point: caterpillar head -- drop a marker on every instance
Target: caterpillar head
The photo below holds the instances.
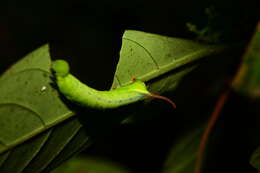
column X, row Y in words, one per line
column 60, row 67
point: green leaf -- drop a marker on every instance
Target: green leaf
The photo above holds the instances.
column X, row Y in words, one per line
column 255, row 159
column 247, row 83
column 90, row 165
column 181, row 158
column 247, row 80
column 147, row 56
column 160, row 61
column 32, row 118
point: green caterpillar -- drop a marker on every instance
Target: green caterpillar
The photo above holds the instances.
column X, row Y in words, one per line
column 83, row 95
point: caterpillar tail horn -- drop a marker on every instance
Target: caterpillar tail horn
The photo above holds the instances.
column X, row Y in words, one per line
column 163, row 98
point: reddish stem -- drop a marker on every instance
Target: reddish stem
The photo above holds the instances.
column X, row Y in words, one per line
column 163, row 98
column 211, row 122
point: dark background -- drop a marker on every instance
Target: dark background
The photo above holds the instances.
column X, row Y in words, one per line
column 88, row 35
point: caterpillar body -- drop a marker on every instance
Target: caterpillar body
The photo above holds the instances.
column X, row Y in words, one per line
column 84, row 95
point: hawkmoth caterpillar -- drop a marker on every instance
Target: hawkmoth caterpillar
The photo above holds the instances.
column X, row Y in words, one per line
column 77, row 92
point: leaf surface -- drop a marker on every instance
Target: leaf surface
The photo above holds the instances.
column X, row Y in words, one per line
column 32, row 117
column 90, row 165
column 247, row 83
column 181, row 158
column 147, row 56
column 247, row 80
column 160, row 61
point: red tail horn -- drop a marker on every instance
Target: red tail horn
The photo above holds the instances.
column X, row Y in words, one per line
column 163, row 98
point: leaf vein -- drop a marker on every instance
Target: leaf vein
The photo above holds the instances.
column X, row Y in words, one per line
column 154, row 61
column 27, row 108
